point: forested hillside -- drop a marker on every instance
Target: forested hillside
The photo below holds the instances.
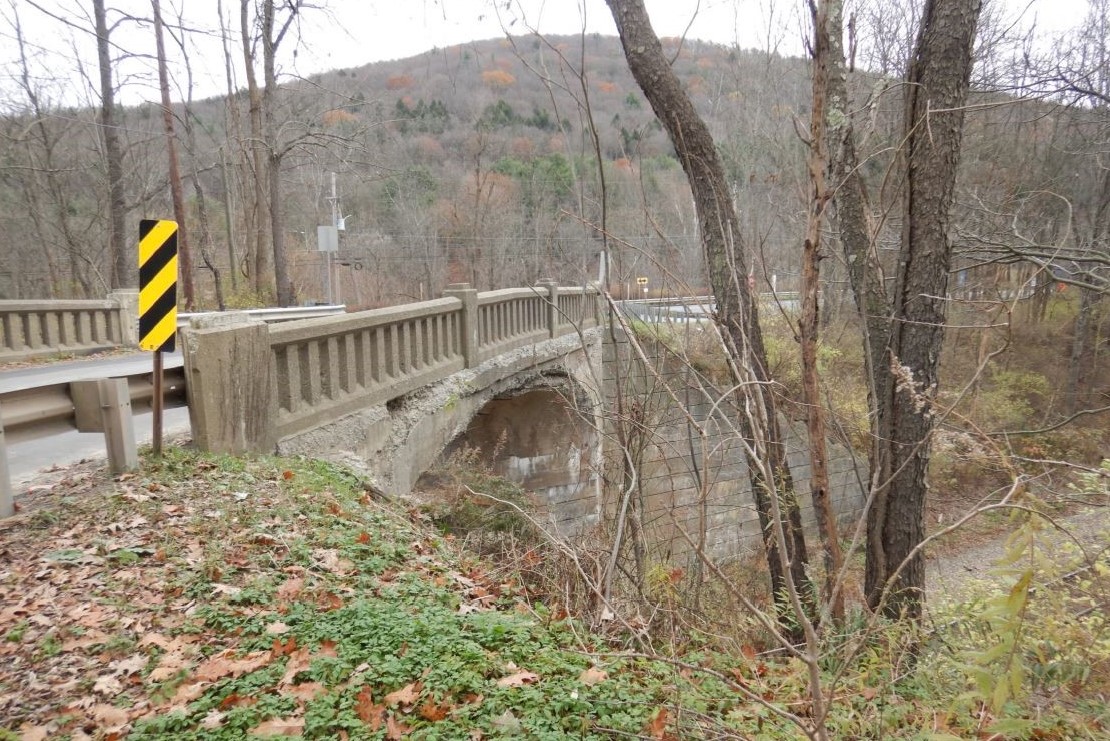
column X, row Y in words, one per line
column 477, row 162
column 480, row 162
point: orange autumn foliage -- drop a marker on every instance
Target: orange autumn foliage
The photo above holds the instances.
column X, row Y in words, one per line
column 498, row 79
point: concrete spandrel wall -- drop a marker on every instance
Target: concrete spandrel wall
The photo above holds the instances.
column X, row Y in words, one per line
column 537, row 441
column 687, row 477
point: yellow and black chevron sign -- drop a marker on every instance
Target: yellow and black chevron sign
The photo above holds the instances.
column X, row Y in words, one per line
column 157, row 285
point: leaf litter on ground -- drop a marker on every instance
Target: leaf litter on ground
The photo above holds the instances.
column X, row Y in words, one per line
column 160, row 604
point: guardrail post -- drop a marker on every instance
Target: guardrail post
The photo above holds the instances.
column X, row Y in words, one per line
column 7, row 506
column 119, row 428
column 552, row 289
column 86, row 405
column 229, row 381
column 469, row 328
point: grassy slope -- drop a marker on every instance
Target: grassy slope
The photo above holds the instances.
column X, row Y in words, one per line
column 215, row 598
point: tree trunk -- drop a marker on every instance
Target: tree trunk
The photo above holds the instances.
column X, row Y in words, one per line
column 865, row 274
column 936, row 92
column 232, row 121
column 277, row 235
column 198, row 190
column 809, row 324
column 1081, row 362
column 125, row 262
column 259, row 260
column 184, row 257
column 736, row 313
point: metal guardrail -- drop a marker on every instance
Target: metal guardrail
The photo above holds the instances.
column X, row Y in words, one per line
column 87, row 405
column 29, row 413
column 281, row 314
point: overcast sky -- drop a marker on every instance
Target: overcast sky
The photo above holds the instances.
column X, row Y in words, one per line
column 354, row 32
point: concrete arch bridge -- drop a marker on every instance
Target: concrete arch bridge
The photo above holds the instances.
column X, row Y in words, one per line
column 515, row 371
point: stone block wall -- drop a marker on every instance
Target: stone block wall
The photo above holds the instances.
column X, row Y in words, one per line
column 692, row 458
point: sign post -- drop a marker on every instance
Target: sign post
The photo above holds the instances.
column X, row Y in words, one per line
column 157, row 303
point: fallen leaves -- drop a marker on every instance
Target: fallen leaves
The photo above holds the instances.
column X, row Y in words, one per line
column 290, row 589
column 518, row 679
column 224, row 664
column 657, row 726
column 33, row 733
column 369, row 712
column 108, row 685
column 395, row 730
column 109, row 716
column 592, row 676
column 434, row 712
column 292, row 726
column 407, row 695
column 157, row 596
column 305, row 692
column 299, row 661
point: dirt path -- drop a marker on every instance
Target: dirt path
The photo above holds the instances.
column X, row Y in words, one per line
column 949, row 575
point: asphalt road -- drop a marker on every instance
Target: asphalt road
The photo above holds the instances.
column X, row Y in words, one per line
column 29, row 458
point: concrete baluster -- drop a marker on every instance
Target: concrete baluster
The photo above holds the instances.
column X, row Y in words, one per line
column 83, row 328
column 469, row 324
column 9, row 339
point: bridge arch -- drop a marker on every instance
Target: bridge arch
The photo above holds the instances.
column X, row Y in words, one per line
column 543, row 436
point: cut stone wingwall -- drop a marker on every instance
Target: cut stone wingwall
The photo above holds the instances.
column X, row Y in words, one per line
column 692, row 462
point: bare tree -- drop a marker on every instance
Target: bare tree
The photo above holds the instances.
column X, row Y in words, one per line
column 184, row 256
column 819, row 197
column 736, row 313
column 124, row 264
column 259, row 248
column 194, row 172
column 72, row 270
column 903, row 353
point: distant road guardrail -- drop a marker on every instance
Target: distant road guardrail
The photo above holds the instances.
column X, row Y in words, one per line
column 282, row 314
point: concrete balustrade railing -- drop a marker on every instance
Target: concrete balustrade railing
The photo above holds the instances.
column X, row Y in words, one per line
column 32, row 329
column 512, row 318
column 251, row 385
column 576, row 307
column 323, row 368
